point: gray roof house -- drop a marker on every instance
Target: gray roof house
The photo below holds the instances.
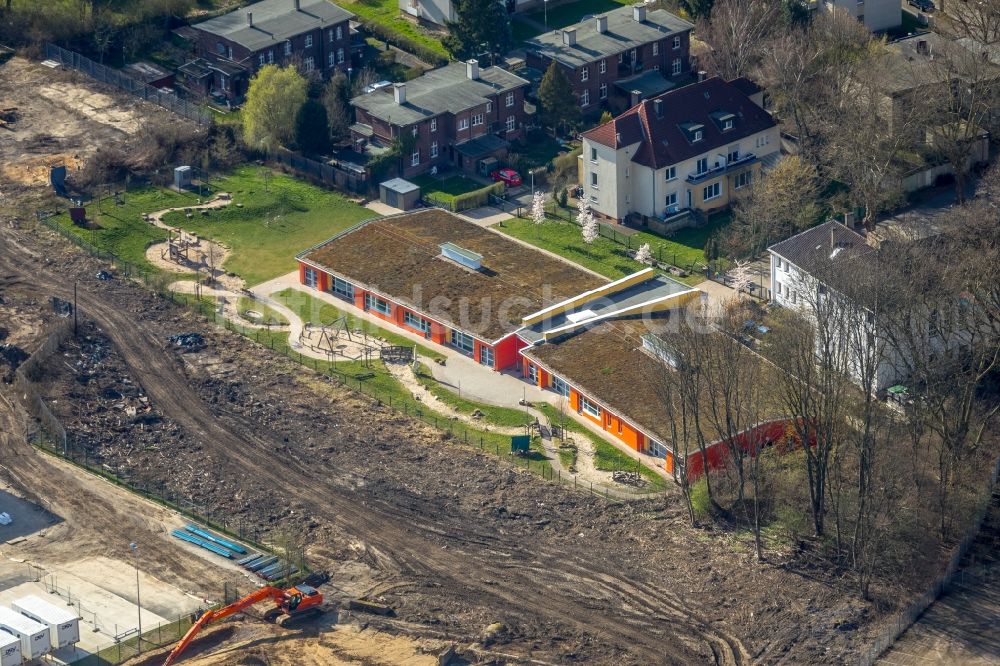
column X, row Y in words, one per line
column 272, row 22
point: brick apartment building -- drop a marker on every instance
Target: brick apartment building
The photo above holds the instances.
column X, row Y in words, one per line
column 312, row 34
column 458, row 115
column 626, row 54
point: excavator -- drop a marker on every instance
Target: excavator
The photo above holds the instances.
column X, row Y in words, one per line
column 291, row 605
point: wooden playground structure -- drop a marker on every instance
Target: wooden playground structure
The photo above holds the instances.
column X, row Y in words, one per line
column 342, row 343
column 178, row 246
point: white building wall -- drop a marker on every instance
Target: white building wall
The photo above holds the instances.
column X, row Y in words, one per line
column 878, row 14
column 613, row 189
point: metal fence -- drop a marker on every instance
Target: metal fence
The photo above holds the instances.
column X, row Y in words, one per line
column 458, row 431
column 122, row 81
column 950, row 578
column 22, row 381
column 326, row 174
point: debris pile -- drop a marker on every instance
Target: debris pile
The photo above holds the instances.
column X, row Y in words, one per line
column 187, row 341
column 12, row 356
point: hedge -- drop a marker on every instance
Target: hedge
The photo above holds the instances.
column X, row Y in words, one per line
column 476, row 198
column 403, row 42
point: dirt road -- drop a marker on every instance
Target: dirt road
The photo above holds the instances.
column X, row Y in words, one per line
column 459, row 539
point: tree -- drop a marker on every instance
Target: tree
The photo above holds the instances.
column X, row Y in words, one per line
column 735, row 33
column 312, row 131
column 644, row 255
column 559, row 105
column 696, row 9
column 336, row 100
column 479, row 25
column 588, row 224
column 538, row 208
column 273, row 100
column 606, row 117
column 779, row 204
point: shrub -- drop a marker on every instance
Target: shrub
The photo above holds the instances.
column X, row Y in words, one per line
column 402, row 41
column 699, row 498
column 563, row 197
column 476, row 198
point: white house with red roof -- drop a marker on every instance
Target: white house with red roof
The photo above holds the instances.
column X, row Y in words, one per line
column 690, row 148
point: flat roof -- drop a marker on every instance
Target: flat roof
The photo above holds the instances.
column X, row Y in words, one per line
column 655, row 289
column 45, row 610
column 399, row 185
column 17, row 622
column 400, row 257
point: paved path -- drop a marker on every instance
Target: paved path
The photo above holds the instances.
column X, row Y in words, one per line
column 963, row 626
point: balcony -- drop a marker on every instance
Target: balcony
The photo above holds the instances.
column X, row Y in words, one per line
column 719, row 169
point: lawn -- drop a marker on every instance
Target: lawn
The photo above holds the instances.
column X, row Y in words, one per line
column 537, row 149
column 276, row 218
column 386, row 13
column 503, row 417
column 320, row 313
column 607, row 457
column 446, row 189
column 270, row 316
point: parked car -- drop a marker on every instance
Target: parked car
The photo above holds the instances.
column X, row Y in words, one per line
column 378, row 85
column 508, row 177
column 922, row 5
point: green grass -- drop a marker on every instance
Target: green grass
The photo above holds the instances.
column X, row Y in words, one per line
column 121, row 228
column 446, row 189
column 321, row 313
column 271, row 226
column 567, row 456
column 535, row 150
column 270, row 315
column 607, row 457
column 386, row 13
column 503, row 417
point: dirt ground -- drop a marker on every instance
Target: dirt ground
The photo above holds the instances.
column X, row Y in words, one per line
column 454, row 540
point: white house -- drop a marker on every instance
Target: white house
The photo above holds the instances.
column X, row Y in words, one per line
column 876, row 15
column 693, row 147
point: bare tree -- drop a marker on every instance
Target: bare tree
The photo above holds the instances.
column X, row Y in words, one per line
column 735, row 32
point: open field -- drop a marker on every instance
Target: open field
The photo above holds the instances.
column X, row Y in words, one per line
column 386, row 13
column 362, row 480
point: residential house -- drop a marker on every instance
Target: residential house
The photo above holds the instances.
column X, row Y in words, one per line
column 313, row 34
column 690, row 148
column 458, row 115
column 876, row 15
column 629, row 53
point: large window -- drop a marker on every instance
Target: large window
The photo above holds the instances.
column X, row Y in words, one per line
column 309, row 276
column 710, row 192
column 343, row 288
column 702, row 165
column 477, row 120
column 419, row 323
column 511, row 123
column 604, row 91
column 584, row 74
column 533, row 373
column 585, row 98
column 510, row 99
column 656, row 449
column 676, row 67
column 377, row 304
column 743, row 179
column 310, row 64
column 671, row 173
column 463, row 342
column 463, row 124
column 486, row 356
column 560, row 386
column 672, row 201
column 587, row 407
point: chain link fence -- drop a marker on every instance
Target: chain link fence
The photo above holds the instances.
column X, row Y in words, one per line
column 122, row 81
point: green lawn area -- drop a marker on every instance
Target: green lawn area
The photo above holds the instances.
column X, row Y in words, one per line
column 607, row 457
column 387, row 14
column 447, row 188
column 503, row 417
column 320, row 313
column 271, row 226
column 270, row 316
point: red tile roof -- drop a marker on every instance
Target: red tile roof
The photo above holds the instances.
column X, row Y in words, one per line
column 661, row 139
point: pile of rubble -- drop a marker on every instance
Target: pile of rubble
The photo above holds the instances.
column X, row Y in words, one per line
column 187, row 341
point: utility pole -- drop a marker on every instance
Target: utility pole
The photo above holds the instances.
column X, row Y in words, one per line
column 135, row 550
column 74, row 309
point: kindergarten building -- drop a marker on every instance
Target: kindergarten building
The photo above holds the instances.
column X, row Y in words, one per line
column 513, row 308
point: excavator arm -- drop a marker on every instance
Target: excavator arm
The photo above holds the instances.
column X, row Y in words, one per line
column 208, row 617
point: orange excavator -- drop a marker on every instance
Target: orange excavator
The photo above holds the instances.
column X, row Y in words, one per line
column 292, row 605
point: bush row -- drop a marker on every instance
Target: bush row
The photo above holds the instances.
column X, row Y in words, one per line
column 403, row 42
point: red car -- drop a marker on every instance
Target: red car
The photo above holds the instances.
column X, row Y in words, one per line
column 509, row 177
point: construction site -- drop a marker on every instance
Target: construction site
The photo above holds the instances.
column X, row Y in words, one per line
column 394, row 542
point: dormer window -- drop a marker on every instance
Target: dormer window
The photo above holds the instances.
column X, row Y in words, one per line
column 727, row 125
column 724, row 120
column 694, row 132
column 697, row 136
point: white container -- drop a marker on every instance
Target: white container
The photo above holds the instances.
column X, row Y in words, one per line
column 64, row 626
column 10, row 649
column 34, row 635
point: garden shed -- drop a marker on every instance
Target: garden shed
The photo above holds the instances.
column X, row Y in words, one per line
column 399, row 193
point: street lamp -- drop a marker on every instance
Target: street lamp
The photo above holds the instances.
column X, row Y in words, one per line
column 532, row 173
column 134, row 547
column 545, row 3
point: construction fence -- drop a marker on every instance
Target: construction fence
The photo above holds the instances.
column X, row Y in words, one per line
column 950, row 578
column 486, row 442
column 122, row 81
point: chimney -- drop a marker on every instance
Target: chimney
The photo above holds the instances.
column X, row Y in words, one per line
column 472, row 69
column 250, row 19
column 399, row 92
column 569, row 37
column 602, row 24
column 702, row 75
column 658, row 107
column 833, row 237
column 639, row 13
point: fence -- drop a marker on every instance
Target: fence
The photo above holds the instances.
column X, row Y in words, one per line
column 124, row 82
column 949, row 578
column 327, row 174
column 23, row 382
column 662, row 254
